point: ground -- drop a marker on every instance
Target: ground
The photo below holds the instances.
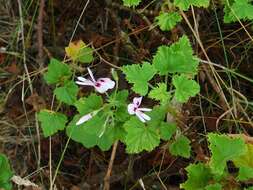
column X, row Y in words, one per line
column 120, row 36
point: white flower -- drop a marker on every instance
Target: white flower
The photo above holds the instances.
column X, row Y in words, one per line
column 84, row 118
column 101, row 85
column 134, row 109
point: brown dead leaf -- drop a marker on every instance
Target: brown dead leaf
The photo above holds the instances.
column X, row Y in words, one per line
column 13, row 68
column 75, row 188
column 98, row 40
column 36, row 101
column 2, row 58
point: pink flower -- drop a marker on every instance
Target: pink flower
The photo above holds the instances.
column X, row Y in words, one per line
column 134, row 109
column 101, row 85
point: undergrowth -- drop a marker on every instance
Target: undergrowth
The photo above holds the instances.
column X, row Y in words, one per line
column 141, row 105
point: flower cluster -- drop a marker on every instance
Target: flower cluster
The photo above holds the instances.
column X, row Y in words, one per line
column 102, row 85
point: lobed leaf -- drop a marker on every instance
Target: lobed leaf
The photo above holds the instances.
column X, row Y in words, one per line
column 245, row 173
column 57, row 72
column 168, row 21
column 89, row 133
column 139, row 76
column 89, row 104
column 131, row 3
column 167, row 130
column 67, row 93
column 238, row 9
column 51, row 122
column 185, row 88
column 160, row 93
column 177, row 58
column 220, row 146
column 78, row 51
column 140, row 137
column 198, row 177
column 185, row 4
column 181, row 147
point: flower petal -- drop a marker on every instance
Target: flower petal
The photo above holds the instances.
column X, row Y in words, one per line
column 84, row 119
column 104, row 84
column 85, row 83
column 143, row 115
column 91, row 75
column 137, row 101
column 107, row 81
column 139, row 115
column 131, row 109
column 144, row 109
column 81, row 79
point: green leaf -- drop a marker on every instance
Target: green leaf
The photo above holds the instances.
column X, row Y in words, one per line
column 160, row 93
column 185, row 88
column 220, row 146
column 177, row 58
column 139, row 76
column 242, row 9
column 51, row 122
column 120, row 102
column 198, row 177
column 67, row 93
column 78, row 51
column 130, row 3
column 88, row 133
column 181, row 147
column 167, row 130
column 245, row 164
column 140, row 137
column 168, row 21
column 57, row 72
column 245, row 159
column 89, row 104
column 245, row 173
column 215, row 186
column 5, row 173
column 185, row 4
column 157, row 115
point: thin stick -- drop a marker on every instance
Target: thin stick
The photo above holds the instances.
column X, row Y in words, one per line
column 23, row 44
column 40, row 32
column 109, row 170
column 79, row 19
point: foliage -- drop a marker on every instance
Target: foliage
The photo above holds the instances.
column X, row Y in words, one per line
column 220, row 146
column 168, row 75
column 139, row 75
column 177, row 58
column 198, row 177
column 181, row 147
column 140, row 137
column 185, row 88
column 51, row 122
column 167, row 130
column 160, row 93
column 237, row 9
column 185, row 4
column 5, row 173
column 130, row 3
column 67, row 93
column 168, row 21
column 79, row 52
column 57, row 72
